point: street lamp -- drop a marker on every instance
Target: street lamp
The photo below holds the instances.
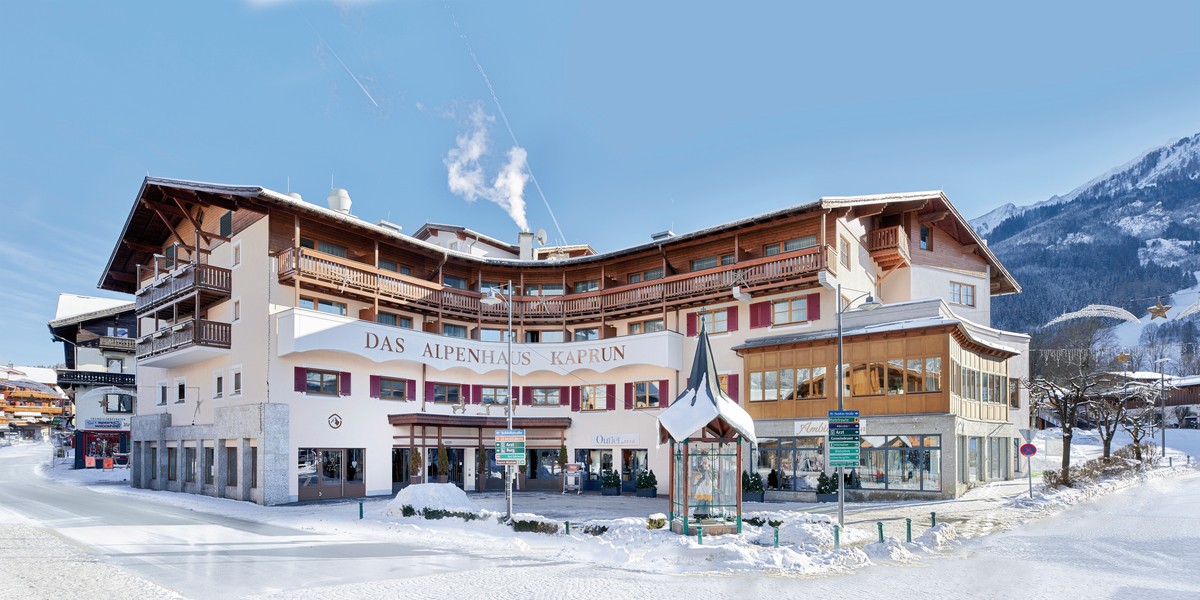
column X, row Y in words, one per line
column 1162, row 400
column 493, row 299
column 870, row 304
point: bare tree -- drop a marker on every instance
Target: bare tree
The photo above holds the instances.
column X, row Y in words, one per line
column 1064, row 400
column 1107, row 411
column 1140, row 418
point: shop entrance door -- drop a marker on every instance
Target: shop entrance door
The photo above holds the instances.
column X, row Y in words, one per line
column 325, row 473
column 455, row 473
column 633, row 462
column 400, row 468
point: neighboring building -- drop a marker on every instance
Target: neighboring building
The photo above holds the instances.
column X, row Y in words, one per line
column 100, row 372
column 31, row 403
column 296, row 351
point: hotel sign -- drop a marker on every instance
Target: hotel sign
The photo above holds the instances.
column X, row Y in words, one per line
column 304, row 331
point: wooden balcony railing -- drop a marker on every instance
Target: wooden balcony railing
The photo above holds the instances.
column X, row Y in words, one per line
column 205, row 333
column 183, row 281
column 345, row 274
column 117, row 343
column 72, row 377
column 889, row 246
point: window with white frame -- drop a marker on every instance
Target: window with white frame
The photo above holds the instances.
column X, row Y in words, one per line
column 593, row 397
column 218, row 384
column 180, row 389
column 962, row 293
column 235, row 376
column 236, row 254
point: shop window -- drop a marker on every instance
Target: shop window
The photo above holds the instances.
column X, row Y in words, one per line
column 253, row 466
column 172, row 464
column 209, row 467
column 231, row 465
column 153, row 464
column 189, row 465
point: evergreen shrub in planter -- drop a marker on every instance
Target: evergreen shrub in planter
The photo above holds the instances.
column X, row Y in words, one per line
column 752, row 487
column 443, row 465
column 647, row 485
column 827, row 488
column 610, row 483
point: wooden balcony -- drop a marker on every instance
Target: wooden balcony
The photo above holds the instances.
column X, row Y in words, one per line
column 341, row 276
column 13, row 409
column 67, row 377
column 889, row 247
column 213, row 284
column 184, row 343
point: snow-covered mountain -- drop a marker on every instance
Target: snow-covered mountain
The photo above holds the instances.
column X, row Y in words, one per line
column 1130, row 234
column 1179, row 159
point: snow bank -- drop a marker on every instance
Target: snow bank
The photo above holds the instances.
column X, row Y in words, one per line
column 938, row 538
column 892, row 549
column 438, row 496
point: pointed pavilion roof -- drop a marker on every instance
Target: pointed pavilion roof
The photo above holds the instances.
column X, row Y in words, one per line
column 703, row 407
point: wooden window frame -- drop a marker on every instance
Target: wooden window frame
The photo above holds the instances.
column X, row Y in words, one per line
column 316, row 305
column 708, row 262
column 792, row 310
column 642, row 396
column 393, row 388
column 545, row 396
column 595, row 334
column 492, row 392
column 596, row 395
column 465, row 330
column 446, row 389
column 321, row 384
column 715, row 316
column 583, row 287
column 446, row 282
column 640, row 327
column 844, row 251
column 925, row 238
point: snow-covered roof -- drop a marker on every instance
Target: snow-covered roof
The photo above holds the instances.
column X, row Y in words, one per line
column 703, row 405
column 73, row 308
column 42, row 376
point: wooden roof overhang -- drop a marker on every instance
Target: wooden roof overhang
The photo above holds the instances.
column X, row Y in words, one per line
column 479, row 421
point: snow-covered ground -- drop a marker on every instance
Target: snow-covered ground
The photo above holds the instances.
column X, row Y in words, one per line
column 805, row 538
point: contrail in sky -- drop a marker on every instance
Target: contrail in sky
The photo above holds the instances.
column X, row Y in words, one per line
column 343, row 63
column 503, row 117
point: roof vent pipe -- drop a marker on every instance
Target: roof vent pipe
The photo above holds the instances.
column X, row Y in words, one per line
column 339, row 200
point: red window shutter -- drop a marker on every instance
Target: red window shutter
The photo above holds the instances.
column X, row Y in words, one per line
column 564, row 395
column 375, row 386
column 760, row 315
column 514, row 395
column 610, row 393
column 576, row 394
column 527, row 396
column 410, row 390
column 629, row 396
column 344, row 386
column 429, row 391
column 476, row 394
column 301, row 379
column 691, row 324
column 664, row 392
column 731, row 318
column 814, row 307
column 734, row 389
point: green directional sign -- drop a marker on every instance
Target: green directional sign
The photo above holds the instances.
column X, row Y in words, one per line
column 844, row 438
column 510, row 446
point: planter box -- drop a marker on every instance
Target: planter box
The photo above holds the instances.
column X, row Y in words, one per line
column 754, row 496
column 827, row 497
column 414, row 480
column 647, row 493
column 610, row 491
column 443, row 478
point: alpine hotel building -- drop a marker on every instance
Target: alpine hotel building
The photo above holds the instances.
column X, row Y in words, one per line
column 289, row 351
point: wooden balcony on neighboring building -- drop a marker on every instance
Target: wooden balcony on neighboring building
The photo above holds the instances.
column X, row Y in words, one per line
column 889, row 247
column 343, row 276
column 184, row 343
column 68, row 377
column 211, row 284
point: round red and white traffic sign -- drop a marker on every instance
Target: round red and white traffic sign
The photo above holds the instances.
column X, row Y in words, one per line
column 1028, row 450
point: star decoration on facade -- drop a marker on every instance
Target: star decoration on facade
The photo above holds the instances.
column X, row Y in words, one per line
column 1159, row 310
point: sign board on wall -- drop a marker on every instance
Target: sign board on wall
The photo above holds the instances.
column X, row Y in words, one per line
column 303, row 330
column 106, row 423
column 618, row 439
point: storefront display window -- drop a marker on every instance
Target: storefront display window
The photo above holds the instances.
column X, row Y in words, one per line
column 899, row 462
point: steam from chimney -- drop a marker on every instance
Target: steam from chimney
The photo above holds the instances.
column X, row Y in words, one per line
column 466, row 178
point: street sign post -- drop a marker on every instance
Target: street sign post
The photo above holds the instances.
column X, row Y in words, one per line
column 1028, row 450
column 844, row 439
column 510, row 446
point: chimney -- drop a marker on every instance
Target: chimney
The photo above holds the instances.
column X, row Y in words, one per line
column 662, row 235
column 525, row 243
column 339, row 200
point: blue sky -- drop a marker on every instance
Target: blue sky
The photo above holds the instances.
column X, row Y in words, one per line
column 634, row 116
